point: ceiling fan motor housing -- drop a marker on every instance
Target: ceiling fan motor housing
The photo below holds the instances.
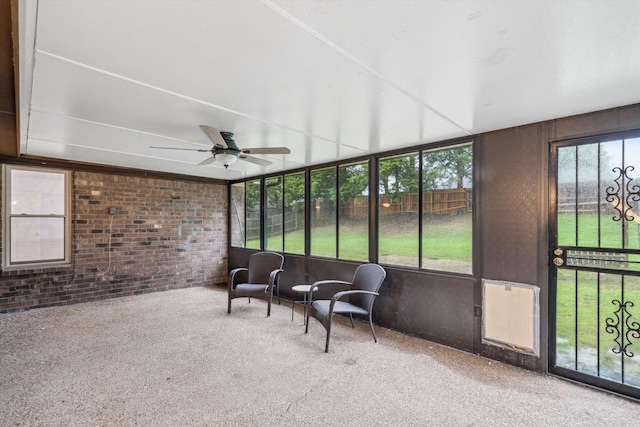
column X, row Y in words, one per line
column 223, row 154
column 228, row 138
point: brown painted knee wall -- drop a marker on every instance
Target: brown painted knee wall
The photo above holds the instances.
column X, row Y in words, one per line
column 167, row 234
column 511, row 241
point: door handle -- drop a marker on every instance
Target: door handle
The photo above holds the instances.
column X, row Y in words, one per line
column 558, row 260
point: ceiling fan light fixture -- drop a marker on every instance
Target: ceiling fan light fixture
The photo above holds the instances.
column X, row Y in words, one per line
column 226, row 159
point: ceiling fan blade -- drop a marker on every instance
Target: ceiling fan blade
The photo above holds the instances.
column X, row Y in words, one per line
column 255, row 160
column 267, row 150
column 207, row 161
column 214, row 135
column 184, row 149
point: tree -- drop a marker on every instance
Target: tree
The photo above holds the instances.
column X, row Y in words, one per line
column 294, row 189
column 273, row 187
column 252, row 190
column 323, row 191
column 586, row 158
column 449, row 168
column 353, row 181
column 399, row 175
column 323, row 184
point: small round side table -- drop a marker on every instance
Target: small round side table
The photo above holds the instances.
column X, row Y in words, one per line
column 307, row 299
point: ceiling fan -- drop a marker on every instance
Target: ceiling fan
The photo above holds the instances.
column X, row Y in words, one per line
column 226, row 151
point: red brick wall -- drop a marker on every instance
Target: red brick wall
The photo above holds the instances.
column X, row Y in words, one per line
column 167, row 234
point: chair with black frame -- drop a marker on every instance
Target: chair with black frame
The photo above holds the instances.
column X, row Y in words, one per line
column 257, row 280
column 362, row 292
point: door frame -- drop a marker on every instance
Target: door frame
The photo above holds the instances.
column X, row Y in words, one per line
column 589, row 380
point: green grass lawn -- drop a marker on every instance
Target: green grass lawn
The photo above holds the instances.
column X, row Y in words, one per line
column 582, row 311
column 611, row 232
column 450, row 238
column 447, row 238
column 353, row 245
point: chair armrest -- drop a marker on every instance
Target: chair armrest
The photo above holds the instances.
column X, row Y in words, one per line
column 274, row 276
column 339, row 295
column 232, row 276
column 315, row 285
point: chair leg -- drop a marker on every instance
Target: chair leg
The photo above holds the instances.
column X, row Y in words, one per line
column 229, row 305
column 326, row 347
column 269, row 307
column 306, row 328
column 352, row 324
column 372, row 331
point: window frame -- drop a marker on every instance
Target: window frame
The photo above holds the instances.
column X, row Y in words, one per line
column 340, row 247
column 243, row 223
column 7, row 265
column 304, row 212
column 424, row 237
column 373, row 161
column 417, row 156
column 317, row 207
column 277, row 186
column 257, row 182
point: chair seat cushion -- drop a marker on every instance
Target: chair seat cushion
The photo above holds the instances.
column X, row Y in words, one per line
column 250, row 288
column 322, row 307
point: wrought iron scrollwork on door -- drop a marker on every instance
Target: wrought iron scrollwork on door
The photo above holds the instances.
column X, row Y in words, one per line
column 616, row 194
column 624, row 328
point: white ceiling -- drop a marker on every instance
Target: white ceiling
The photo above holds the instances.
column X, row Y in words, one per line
column 102, row 81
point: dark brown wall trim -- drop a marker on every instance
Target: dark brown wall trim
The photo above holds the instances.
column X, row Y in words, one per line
column 113, row 170
column 8, row 36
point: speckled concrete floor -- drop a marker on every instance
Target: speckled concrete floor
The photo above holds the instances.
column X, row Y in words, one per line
column 177, row 358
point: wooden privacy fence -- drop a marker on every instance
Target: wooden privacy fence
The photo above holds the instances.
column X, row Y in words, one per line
column 591, row 198
column 294, row 220
column 455, row 201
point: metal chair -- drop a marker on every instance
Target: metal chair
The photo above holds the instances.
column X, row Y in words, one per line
column 258, row 280
column 362, row 292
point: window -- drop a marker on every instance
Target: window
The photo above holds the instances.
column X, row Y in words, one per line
column 36, row 206
column 424, row 210
column 253, row 226
column 323, row 212
column 398, row 210
column 294, row 225
column 353, row 222
column 447, row 221
column 284, row 213
column 274, row 214
column 236, row 213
